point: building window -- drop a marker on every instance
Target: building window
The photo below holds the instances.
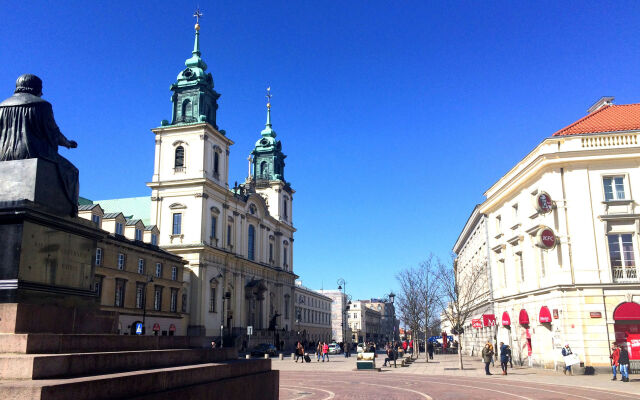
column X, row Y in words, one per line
column 212, row 299
column 514, row 212
column 159, row 270
column 498, row 224
column 621, row 254
column 213, row 226
column 543, row 267
column 613, row 188
column 154, row 239
column 286, row 306
column 184, row 301
column 179, row 159
column 229, row 235
column 96, row 220
column 157, row 298
column 174, row 273
column 98, row 256
column 138, row 234
column 98, row 286
column 141, row 266
column 216, row 164
column 174, row 300
column 520, row 265
column 177, row 224
column 121, row 261
column 119, row 298
column 285, row 209
column 284, row 259
column 139, row 295
column 119, row 228
column 252, row 245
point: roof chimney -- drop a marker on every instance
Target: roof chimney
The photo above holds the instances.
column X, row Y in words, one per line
column 604, row 101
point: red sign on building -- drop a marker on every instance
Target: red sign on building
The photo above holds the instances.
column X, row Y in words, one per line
column 156, row 327
column 546, row 238
column 476, row 323
column 544, row 204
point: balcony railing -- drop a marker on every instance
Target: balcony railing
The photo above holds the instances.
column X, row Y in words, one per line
column 625, row 274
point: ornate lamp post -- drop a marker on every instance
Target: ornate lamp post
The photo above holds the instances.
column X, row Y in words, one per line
column 392, row 297
column 144, row 304
column 342, row 285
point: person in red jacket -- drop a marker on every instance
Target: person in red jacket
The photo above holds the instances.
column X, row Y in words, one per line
column 325, row 351
column 615, row 357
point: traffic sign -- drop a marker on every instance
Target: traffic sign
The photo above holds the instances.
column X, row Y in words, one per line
column 138, row 328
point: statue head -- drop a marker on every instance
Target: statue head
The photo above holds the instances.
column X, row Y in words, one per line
column 29, row 83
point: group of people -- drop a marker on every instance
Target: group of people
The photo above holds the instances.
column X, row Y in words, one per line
column 322, row 350
column 620, row 360
column 488, row 353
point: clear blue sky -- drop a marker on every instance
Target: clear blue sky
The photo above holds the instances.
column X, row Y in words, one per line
column 395, row 119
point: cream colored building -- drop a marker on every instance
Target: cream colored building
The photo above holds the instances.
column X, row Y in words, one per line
column 135, row 278
column 340, row 329
column 313, row 315
column 563, row 228
column 238, row 241
column 364, row 322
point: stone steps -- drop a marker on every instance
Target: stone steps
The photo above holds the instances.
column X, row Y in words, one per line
column 67, row 343
column 229, row 378
column 50, row 366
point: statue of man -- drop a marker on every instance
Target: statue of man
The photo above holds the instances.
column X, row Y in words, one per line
column 28, row 130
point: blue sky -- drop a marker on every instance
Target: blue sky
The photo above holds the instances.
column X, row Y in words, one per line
column 395, row 116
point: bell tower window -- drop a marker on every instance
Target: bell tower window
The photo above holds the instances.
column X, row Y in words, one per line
column 216, row 164
column 187, row 110
column 179, row 158
column 264, row 169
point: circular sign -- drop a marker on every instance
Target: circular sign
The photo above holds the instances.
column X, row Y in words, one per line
column 543, row 203
column 172, row 328
column 156, row 327
column 546, row 238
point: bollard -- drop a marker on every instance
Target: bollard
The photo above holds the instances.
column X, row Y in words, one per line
column 281, row 356
column 266, row 356
column 247, row 356
column 293, row 356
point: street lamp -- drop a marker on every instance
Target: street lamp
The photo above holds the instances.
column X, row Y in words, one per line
column 342, row 285
column 225, row 296
column 144, row 304
column 392, row 297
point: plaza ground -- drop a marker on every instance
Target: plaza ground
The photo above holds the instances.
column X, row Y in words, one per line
column 441, row 379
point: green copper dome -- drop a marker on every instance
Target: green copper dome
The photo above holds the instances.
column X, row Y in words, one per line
column 194, row 100
column 268, row 159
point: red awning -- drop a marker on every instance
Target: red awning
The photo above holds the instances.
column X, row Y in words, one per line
column 628, row 311
column 506, row 319
column 545, row 315
column 524, row 317
column 172, row 328
column 489, row 320
column 156, row 327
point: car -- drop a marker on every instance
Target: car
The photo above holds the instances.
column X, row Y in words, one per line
column 334, row 348
column 360, row 348
column 264, row 348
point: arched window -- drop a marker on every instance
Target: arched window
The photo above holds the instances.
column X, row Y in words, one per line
column 252, row 240
column 216, row 163
column 187, row 109
column 179, row 159
column 264, row 169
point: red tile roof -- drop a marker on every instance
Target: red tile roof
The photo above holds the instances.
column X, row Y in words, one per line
column 610, row 118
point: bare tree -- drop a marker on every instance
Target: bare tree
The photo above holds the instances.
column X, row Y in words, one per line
column 461, row 292
column 417, row 300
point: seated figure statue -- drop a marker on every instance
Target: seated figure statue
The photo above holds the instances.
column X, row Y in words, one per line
column 28, row 130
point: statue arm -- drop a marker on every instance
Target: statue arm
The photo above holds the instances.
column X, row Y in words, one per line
column 62, row 139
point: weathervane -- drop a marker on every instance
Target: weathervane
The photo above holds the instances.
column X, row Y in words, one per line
column 268, row 96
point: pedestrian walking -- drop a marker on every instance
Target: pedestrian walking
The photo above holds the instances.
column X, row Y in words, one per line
column 565, row 352
column 487, row 356
column 505, row 356
column 319, row 352
column 623, row 360
column 299, row 352
column 615, row 358
column 430, row 350
column 492, row 351
column 347, row 350
column 325, row 351
column 510, row 357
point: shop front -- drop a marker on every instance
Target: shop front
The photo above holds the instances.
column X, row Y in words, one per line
column 626, row 318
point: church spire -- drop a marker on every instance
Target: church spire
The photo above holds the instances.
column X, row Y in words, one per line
column 194, row 99
column 268, row 159
column 268, row 130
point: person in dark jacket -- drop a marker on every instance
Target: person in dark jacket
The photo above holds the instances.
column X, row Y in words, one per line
column 624, row 363
column 566, row 350
column 430, row 350
column 487, row 356
column 505, row 355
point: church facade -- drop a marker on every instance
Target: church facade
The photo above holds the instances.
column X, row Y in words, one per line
column 237, row 241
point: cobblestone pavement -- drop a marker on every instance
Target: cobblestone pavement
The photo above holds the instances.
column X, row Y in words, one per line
column 441, row 380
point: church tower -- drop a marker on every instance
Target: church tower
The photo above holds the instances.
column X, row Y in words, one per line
column 268, row 171
column 194, row 99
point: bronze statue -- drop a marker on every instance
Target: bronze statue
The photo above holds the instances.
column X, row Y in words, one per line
column 28, row 130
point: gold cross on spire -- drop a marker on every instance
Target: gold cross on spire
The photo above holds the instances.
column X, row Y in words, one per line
column 268, row 96
column 197, row 15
